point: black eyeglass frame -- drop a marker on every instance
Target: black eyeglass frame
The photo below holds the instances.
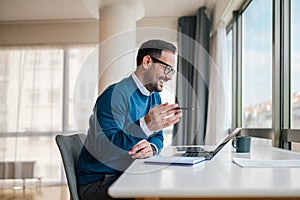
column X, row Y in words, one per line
column 168, row 68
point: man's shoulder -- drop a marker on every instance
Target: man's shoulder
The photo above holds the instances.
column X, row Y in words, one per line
column 124, row 87
column 119, row 89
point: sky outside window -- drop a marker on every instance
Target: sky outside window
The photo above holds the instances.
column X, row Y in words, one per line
column 295, row 64
column 257, row 65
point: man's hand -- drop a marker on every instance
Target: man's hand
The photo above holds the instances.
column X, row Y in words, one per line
column 141, row 150
column 162, row 116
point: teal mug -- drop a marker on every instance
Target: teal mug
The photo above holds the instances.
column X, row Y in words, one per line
column 242, row 144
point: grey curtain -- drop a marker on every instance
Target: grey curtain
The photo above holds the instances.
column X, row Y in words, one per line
column 192, row 78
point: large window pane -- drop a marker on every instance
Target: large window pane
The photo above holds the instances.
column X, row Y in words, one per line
column 229, row 50
column 257, row 65
column 77, row 61
column 31, row 89
column 168, row 95
column 295, row 64
column 32, row 106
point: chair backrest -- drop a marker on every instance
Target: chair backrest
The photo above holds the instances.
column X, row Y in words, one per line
column 70, row 147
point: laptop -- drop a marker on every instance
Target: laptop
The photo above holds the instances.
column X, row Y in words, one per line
column 193, row 155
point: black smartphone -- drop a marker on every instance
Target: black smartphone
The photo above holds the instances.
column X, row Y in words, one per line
column 190, row 149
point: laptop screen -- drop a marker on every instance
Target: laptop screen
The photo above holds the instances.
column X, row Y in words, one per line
column 226, row 140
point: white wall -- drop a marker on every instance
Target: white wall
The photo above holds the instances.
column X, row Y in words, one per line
column 157, row 28
column 70, row 32
column 48, row 32
column 86, row 31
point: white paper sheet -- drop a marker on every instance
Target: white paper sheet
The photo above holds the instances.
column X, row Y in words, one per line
column 248, row 162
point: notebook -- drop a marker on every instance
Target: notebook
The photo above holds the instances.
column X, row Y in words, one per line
column 174, row 160
column 197, row 157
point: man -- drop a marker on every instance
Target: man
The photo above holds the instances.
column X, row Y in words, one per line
column 127, row 121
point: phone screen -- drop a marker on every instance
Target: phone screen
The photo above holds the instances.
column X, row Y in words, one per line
column 190, row 149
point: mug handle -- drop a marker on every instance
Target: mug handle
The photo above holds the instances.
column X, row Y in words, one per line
column 233, row 143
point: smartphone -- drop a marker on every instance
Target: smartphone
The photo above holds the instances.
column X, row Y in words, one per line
column 190, row 149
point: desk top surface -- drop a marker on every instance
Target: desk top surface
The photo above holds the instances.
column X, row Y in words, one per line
column 219, row 177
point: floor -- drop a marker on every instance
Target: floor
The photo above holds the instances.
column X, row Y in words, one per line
column 35, row 193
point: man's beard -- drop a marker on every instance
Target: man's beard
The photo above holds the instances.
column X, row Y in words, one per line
column 153, row 87
column 151, row 83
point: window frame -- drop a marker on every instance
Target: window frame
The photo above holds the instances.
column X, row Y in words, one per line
column 64, row 130
column 288, row 134
column 65, row 98
column 281, row 133
column 237, row 111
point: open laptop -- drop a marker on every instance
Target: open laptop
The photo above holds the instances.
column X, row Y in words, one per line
column 208, row 155
column 192, row 155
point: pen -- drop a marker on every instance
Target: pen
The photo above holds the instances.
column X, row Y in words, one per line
column 184, row 108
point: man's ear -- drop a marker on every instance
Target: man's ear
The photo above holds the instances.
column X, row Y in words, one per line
column 146, row 63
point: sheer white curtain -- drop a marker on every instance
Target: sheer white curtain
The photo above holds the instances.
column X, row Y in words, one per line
column 219, row 89
column 32, row 112
column 32, row 89
column 31, row 103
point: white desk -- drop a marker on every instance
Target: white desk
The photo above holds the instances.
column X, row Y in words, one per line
column 218, row 178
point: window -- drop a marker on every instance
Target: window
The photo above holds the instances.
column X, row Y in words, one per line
column 229, row 50
column 168, row 95
column 295, row 65
column 33, row 81
column 29, row 89
column 268, row 86
column 257, row 65
column 295, row 72
column 88, row 89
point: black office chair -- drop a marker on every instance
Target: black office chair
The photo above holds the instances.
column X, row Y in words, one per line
column 70, row 147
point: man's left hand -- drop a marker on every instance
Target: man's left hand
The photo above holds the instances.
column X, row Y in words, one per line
column 141, row 150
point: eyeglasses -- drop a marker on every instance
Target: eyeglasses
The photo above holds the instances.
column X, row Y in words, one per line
column 168, row 68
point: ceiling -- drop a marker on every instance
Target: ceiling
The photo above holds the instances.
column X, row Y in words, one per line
column 19, row 10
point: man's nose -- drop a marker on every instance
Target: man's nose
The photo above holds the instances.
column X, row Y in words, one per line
column 169, row 76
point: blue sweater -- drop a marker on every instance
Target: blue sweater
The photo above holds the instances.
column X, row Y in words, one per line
column 114, row 129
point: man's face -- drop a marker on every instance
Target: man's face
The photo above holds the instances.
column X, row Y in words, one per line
column 155, row 77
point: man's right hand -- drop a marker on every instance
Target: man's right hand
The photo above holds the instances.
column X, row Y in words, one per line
column 162, row 116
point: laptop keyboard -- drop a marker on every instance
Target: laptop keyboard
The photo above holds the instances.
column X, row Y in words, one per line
column 190, row 154
column 195, row 150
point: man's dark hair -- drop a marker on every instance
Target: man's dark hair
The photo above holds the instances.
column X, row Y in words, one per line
column 153, row 48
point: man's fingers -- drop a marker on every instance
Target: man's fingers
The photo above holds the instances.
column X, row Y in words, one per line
column 171, row 123
column 156, row 118
column 170, row 107
column 146, row 152
column 141, row 142
column 172, row 111
column 172, row 120
column 161, row 106
column 165, row 107
column 143, row 153
column 139, row 146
